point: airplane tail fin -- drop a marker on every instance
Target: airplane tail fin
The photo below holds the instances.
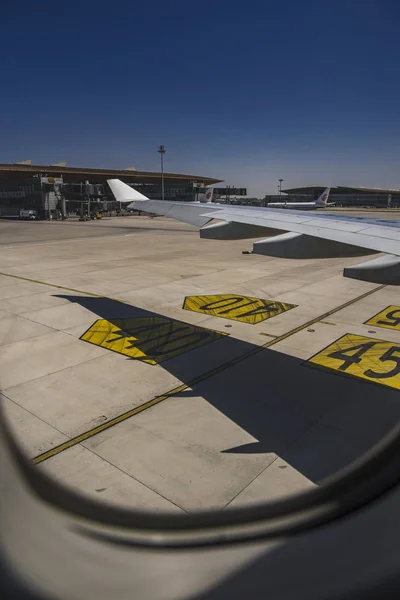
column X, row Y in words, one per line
column 323, row 199
column 208, row 196
column 123, row 192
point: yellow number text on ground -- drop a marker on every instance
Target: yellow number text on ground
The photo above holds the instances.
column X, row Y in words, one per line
column 363, row 357
column 388, row 318
column 149, row 339
column 236, row 307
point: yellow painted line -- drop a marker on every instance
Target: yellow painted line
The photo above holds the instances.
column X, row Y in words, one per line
column 149, row 339
column 245, row 309
column 60, row 287
column 389, row 318
column 106, row 425
column 255, row 350
column 362, row 357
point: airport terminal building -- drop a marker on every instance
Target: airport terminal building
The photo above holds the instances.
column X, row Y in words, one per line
column 358, row 197
column 57, row 190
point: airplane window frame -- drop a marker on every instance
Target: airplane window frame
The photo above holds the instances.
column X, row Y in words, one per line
column 355, row 486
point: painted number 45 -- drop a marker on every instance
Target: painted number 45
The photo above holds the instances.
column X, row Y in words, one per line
column 370, row 355
column 362, row 357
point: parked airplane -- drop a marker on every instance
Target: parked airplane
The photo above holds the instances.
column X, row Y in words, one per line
column 311, row 236
column 322, row 202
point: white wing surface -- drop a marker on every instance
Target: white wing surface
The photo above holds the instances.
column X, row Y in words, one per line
column 291, row 234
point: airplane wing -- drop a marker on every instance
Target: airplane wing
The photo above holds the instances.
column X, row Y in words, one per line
column 291, row 234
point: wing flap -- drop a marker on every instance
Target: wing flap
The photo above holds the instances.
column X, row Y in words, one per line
column 377, row 235
column 320, row 227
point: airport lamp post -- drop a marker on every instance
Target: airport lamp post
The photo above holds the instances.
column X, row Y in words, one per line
column 162, row 151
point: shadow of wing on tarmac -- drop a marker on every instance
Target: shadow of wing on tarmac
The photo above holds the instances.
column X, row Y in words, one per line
column 317, row 421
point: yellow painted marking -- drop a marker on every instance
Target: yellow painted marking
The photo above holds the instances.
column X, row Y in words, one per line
column 255, row 350
column 106, row 425
column 236, row 307
column 124, row 416
column 389, row 318
column 362, row 357
column 58, row 287
column 149, row 339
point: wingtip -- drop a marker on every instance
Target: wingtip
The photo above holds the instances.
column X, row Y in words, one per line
column 123, row 192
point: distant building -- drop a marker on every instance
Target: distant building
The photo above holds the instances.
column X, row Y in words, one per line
column 341, row 196
column 240, row 200
column 57, row 189
column 228, row 194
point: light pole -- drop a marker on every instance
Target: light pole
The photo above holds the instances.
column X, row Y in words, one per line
column 162, row 151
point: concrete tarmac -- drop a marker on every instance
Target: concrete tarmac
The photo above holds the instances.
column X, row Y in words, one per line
column 116, row 390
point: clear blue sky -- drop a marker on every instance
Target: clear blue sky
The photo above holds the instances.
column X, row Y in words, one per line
column 307, row 90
